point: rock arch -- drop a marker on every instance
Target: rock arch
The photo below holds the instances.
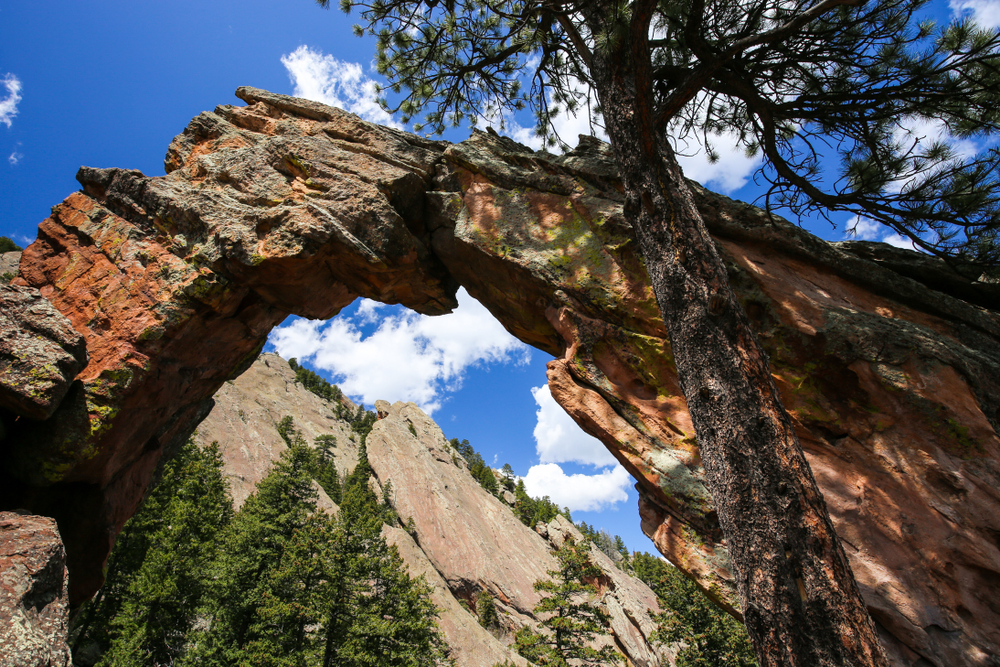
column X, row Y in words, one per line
column 889, row 363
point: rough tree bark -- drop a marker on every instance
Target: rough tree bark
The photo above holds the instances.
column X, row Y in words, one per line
column 801, row 604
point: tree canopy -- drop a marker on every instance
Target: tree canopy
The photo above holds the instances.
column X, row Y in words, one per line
column 851, row 103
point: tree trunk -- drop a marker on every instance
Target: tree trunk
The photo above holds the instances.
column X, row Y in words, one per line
column 801, row 605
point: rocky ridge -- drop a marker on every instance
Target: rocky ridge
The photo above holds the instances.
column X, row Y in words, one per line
column 462, row 539
column 888, row 361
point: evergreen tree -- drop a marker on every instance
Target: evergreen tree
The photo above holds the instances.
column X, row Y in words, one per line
column 283, row 632
column 508, row 476
column 253, row 545
column 287, row 586
column 315, row 383
column 486, row 610
column 6, row 245
column 531, row 511
column 711, row 637
column 568, row 615
column 362, row 422
column 375, row 614
column 481, row 472
column 324, row 469
column 157, row 571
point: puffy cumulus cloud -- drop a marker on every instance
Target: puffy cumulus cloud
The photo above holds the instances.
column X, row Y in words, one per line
column 578, row 492
column 8, row 105
column 408, row 357
column 899, row 241
column 864, row 229
column 560, row 440
column 323, row 78
column 985, row 12
column 567, row 125
column 926, row 132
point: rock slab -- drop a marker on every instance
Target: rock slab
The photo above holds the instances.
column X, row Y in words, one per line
column 40, row 353
column 34, row 610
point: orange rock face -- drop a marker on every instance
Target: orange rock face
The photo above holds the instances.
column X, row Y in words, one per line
column 888, row 362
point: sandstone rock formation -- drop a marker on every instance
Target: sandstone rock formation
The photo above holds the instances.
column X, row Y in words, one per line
column 243, row 422
column 9, row 261
column 34, row 611
column 888, row 361
column 463, row 539
column 40, row 353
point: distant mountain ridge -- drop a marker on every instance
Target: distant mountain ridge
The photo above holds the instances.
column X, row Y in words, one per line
column 460, row 537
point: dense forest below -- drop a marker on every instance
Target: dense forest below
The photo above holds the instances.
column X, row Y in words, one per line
column 282, row 582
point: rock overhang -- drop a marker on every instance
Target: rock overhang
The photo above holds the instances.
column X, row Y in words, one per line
column 289, row 206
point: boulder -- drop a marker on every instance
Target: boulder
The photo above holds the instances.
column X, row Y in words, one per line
column 9, row 261
column 34, row 608
column 40, row 353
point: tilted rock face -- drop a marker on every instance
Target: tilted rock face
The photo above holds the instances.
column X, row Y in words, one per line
column 34, row 612
column 40, row 353
column 475, row 541
column 244, row 422
column 464, row 540
column 889, row 363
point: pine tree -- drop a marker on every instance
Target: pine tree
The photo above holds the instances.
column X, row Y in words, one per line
column 375, row 614
column 283, row 632
column 324, row 469
column 253, row 545
column 568, row 614
column 710, row 637
column 156, row 574
column 532, row 511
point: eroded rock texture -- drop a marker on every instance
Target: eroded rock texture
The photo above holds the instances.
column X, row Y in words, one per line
column 34, row 611
column 889, row 362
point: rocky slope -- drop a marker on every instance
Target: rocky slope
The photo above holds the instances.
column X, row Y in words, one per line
column 888, row 361
column 463, row 539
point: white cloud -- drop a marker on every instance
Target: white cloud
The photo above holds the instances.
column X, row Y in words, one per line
column 323, row 78
column 8, row 105
column 985, row 12
column 16, row 155
column 927, row 131
column 727, row 174
column 898, row 241
column 863, row 229
column 585, row 493
column 567, row 125
column 559, row 439
column 409, row 357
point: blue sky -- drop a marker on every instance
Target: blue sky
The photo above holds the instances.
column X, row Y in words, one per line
column 108, row 83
